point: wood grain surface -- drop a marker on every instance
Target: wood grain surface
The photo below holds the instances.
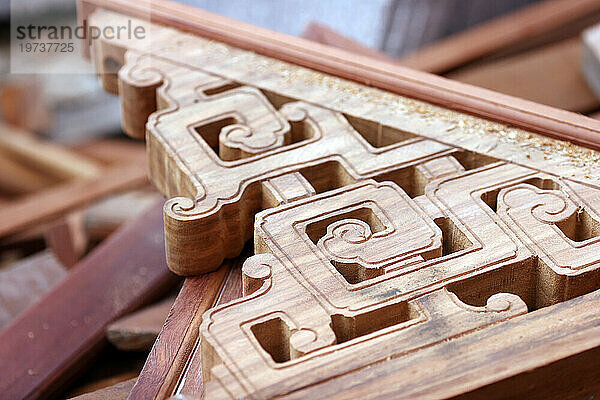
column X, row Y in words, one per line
column 534, row 25
column 387, row 232
column 25, row 281
column 177, row 339
column 47, row 346
column 51, row 203
column 138, row 330
column 397, row 79
column 120, row 391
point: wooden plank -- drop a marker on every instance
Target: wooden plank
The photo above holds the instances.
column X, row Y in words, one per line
column 51, row 203
column 179, row 335
column 114, row 151
column 120, row 391
column 504, row 350
column 549, row 75
column 397, row 79
column 538, row 24
column 46, row 156
column 67, row 238
column 138, row 331
column 17, row 179
column 48, row 344
column 320, row 33
column 107, row 215
column 25, row 281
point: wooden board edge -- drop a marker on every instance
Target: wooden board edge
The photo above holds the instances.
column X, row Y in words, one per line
column 548, row 121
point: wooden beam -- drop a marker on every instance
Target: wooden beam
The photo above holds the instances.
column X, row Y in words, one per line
column 51, row 203
column 16, row 179
column 321, row 33
column 114, row 151
column 51, row 158
column 120, row 391
column 176, row 341
column 25, row 281
column 524, row 114
column 549, row 75
column 531, row 26
column 138, row 331
column 47, row 345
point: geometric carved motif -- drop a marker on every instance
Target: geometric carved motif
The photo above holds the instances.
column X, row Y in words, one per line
column 370, row 242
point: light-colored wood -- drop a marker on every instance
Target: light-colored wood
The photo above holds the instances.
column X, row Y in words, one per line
column 45, row 156
column 384, row 229
column 25, row 281
column 51, row 203
column 16, row 179
column 120, row 391
column 549, row 75
column 138, row 331
column 404, row 81
column 212, row 142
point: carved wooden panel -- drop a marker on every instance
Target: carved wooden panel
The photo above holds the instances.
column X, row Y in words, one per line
column 382, row 227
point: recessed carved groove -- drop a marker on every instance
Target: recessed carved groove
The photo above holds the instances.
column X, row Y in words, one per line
column 453, row 238
column 327, row 176
column 277, row 99
column 317, row 230
column 406, row 178
column 491, row 198
column 221, row 88
column 274, row 334
column 471, row 160
column 355, row 273
column 274, row 337
column 348, row 328
column 376, row 134
column 580, row 227
column 211, row 133
column 211, row 130
column 518, row 279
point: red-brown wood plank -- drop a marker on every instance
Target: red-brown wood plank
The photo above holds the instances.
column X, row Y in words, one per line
column 46, row 346
column 175, row 342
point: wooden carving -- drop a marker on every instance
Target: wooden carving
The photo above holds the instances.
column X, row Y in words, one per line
column 382, row 227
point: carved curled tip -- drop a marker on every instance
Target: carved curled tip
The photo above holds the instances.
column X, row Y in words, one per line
column 179, row 205
column 302, row 340
column 142, row 72
column 294, row 112
column 352, row 231
column 256, row 270
column 503, row 302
